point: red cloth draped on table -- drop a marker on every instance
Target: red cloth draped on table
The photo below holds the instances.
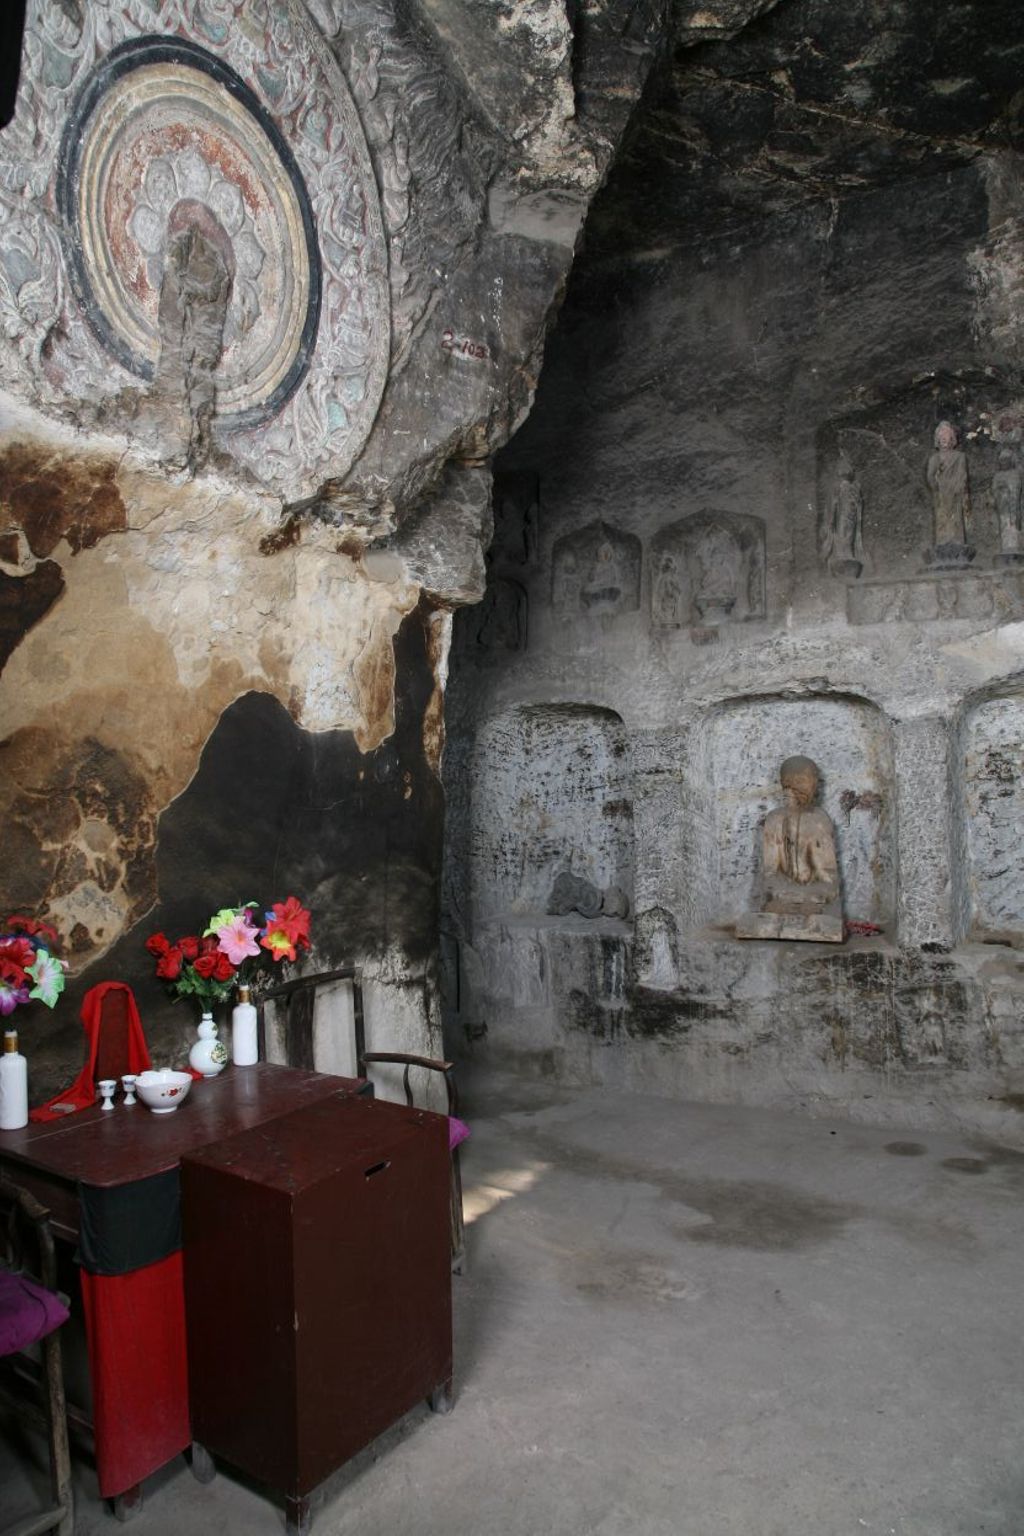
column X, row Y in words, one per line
column 139, row 1395
column 82, row 1092
column 139, row 1392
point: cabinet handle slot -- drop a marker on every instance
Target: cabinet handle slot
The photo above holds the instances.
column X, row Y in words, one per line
column 377, row 1168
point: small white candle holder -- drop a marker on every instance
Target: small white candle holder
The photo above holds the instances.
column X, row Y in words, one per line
column 128, row 1084
column 107, row 1087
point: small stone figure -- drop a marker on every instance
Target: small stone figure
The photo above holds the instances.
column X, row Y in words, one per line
column 596, row 570
column 800, row 874
column 842, row 545
column 717, row 565
column 502, row 622
column 1008, row 495
column 573, row 894
column 951, row 498
column 666, row 599
column 603, row 587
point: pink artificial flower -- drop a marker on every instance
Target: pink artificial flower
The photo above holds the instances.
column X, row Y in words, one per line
column 13, row 987
column 237, row 939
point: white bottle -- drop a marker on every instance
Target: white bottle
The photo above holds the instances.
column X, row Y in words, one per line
column 244, row 1038
column 13, row 1084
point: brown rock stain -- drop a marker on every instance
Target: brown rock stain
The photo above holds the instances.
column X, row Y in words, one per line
column 51, row 786
column 24, row 600
column 436, row 630
column 374, row 674
column 283, row 537
column 80, row 813
column 54, row 495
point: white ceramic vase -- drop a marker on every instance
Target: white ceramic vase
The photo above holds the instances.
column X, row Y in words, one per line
column 245, row 1050
column 209, row 1055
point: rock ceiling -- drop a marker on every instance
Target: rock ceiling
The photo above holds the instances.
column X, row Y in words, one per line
column 808, row 100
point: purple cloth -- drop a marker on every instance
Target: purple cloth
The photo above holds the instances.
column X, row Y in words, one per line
column 28, row 1312
column 458, row 1130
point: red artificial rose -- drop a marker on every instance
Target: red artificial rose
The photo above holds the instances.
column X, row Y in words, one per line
column 169, row 964
column 158, row 944
column 208, row 944
column 11, row 973
column 205, row 965
column 18, row 951
column 189, row 947
column 33, row 927
column 223, row 970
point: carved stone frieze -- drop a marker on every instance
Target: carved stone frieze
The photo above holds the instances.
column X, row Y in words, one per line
column 996, row 595
column 136, row 124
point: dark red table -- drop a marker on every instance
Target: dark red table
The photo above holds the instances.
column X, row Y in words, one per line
column 135, row 1322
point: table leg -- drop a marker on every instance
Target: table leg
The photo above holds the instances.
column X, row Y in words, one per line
column 441, row 1399
column 297, row 1519
column 128, row 1504
column 204, row 1469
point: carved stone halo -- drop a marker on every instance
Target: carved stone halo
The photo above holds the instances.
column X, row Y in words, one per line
column 165, row 135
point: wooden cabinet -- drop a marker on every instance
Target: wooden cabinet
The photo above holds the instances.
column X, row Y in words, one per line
column 317, row 1286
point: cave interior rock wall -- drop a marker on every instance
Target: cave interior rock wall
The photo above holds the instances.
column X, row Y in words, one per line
column 717, row 530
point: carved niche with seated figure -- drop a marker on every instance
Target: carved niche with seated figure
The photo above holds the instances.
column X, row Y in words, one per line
column 708, row 569
column 800, row 897
column 596, row 570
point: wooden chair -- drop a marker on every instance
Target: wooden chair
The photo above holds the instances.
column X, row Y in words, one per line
column 297, row 999
column 35, row 1391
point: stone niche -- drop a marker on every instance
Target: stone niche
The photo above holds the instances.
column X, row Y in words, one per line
column 708, row 569
column 501, row 619
column 992, row 803
column 875, row 508
column 596, row 570
column 746, row 742
column 551, row 797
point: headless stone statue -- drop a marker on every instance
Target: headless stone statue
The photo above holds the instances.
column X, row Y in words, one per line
column 800, row 873
column 951, row 498
column 843, row 543
column 1008, row 495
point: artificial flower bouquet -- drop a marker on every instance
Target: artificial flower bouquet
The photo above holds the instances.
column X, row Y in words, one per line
column 235, row 945
column 28, row 967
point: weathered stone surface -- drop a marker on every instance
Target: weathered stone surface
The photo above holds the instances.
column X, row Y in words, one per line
column 993, row 786
column 569, row 813
column 925, row 856
column 822, row 928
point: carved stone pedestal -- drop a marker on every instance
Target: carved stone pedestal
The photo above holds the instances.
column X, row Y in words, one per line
column 950, row 557
column 814, row 928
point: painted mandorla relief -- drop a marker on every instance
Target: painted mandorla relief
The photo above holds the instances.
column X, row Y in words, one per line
column 199, row 170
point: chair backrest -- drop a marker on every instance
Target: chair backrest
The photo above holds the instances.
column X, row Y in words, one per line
column 296, row 1001
column 26, row 1241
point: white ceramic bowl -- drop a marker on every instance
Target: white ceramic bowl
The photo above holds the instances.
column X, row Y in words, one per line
column 163, row 1091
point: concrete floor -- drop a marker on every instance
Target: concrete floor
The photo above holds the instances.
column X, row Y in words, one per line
column 690, row 1320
